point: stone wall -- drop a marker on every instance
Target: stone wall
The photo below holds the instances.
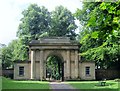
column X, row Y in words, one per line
column 65, row 49
column 92, row 70
column 72, row 70
column 69, row 68
column 26, row 70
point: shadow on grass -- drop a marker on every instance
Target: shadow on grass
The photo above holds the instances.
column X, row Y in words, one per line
column 106, row 84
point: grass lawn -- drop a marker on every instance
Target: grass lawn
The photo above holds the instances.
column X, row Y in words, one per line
column 0, row 83
column 13, row 85
column 30, row 85
column 111, row 85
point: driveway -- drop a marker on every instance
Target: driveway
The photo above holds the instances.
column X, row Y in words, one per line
column 61, row 86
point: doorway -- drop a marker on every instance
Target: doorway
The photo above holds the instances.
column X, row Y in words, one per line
column 54, row 68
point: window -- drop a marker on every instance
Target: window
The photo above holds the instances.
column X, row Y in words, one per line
column 87, row 71
column 21, row 71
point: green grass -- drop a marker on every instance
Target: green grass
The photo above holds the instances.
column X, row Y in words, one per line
column 111, row 85
column 13, row 84
column 0, row 83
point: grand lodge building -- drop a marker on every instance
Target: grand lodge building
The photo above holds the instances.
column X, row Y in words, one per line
column 63, row 48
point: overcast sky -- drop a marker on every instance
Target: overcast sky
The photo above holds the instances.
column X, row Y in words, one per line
column 10, row 14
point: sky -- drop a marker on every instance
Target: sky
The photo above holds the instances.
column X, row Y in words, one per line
column 10, row 14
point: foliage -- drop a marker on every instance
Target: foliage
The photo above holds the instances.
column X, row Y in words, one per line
column 38, row 22
column 6, row 57
column 19, row 50
column 35, row 21
column 34, row 24
column 54, row 66
column 100, row 36
column 14, row 51
column 62, row 23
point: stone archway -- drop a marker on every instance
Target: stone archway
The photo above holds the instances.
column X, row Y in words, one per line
column 68, row 50
column 55, row 66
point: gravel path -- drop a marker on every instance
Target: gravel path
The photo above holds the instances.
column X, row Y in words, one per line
column 61, row 86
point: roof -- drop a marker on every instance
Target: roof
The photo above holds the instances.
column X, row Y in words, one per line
column 22, row 61
column 54, row 40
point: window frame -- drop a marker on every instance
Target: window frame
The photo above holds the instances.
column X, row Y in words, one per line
column 21, row 70
column 87, row 70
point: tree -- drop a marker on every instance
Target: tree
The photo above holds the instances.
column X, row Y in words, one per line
column 14, row 51
column 6, row 57
column 62, row 23
column 19, row 51
column 38, row 22
column 101, row 32
column 35, row 22
column 1, row 49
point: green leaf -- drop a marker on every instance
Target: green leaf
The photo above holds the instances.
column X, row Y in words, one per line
column 84, row 38
column 95, row 34
column 103, row 6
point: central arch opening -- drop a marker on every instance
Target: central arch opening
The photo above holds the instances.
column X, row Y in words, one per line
column 54, row 68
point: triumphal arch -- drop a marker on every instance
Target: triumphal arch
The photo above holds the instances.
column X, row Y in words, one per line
column 68, row 52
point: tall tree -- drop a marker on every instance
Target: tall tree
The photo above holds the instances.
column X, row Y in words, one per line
column 35, row 22
column 101, row 32
column 38, row 22
column 62, row 23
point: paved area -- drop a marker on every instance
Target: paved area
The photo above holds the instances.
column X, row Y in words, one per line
column 61, row 86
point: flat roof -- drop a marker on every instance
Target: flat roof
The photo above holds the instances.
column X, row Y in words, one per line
column 54, row 41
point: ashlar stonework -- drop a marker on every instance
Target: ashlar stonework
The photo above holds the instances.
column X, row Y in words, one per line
column 65, row 49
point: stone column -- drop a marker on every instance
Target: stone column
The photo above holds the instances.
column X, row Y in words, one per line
column 68, row 64
column 64, row 69
column 41, row 65
column 76, row 64
column 32, row 64
column 44, row 62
